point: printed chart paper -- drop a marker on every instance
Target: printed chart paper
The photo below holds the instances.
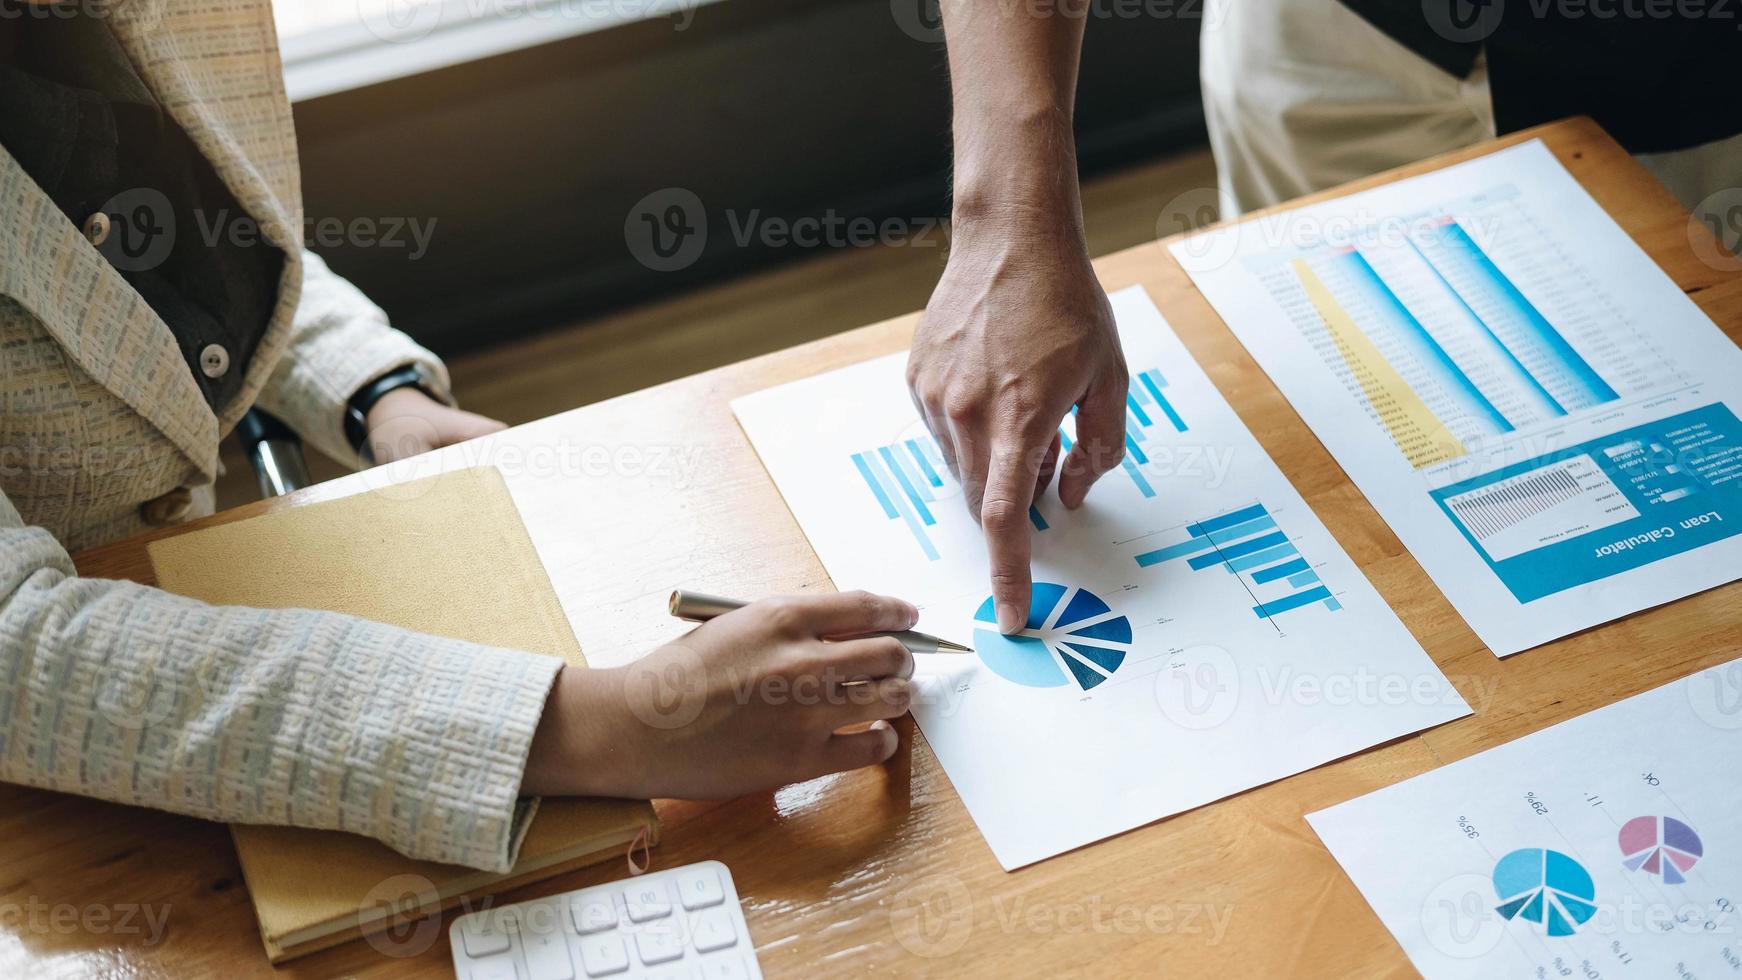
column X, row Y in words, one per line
column 1605, row 846
column 1545, row 420
column 1195, row 630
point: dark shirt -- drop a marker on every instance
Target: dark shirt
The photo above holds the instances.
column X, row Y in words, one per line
column 79, row 120
column 1658, row 75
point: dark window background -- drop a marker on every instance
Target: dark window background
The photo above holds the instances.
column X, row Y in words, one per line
column 530, row 162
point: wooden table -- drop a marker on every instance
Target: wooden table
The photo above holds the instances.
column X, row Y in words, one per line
column 881, row 871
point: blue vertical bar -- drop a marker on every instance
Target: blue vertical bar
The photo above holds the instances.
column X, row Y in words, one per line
column 1520, row 374
column 931, row 474
column 1189, row 547
column 1280, row 571
column 1136, row 477
column 901, row 478
column 1179, row 424
column 1126, row 464
column 913, row 524
column 1542, row 333
column 1131, row 445
column 1288, row 602
column 1034, row 515
column 936, row 455
column 1134, row 430
column 1237, row 550
column 876, row 488
column 1262, row 558
column 911, row 473
column 1228, row 535
column 1155, row 382
column 1229, row 519
column 1137, row 410
column 1414, row 336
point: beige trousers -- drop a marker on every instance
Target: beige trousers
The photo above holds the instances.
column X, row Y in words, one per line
column 1303, row 95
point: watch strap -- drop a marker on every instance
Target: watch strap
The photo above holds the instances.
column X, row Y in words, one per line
column 357, row 409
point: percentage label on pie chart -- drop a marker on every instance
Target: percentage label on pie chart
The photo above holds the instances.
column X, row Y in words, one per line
column 1662, row 846
column 1072, row 636
column 1545, row 887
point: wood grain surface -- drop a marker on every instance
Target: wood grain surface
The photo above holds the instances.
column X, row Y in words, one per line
column 881, row 872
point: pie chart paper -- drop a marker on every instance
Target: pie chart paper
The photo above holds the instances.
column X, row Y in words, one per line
column 1553, row 855
column 1662, row 846
column 1069, row 631
column 1545, row 887
column 1185, row 624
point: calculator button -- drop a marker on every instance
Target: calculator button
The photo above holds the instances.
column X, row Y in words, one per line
column 700, row 888
column 592, row 913
column 547, row 955
column 658, row 946
column 495, row 968
column 485, row 935
column 647, row 900
column 725, row 968
column 603, row 954
column 713, row 930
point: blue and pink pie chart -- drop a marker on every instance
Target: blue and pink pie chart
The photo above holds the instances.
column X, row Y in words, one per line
column 1662, row 846
column 1072, row 637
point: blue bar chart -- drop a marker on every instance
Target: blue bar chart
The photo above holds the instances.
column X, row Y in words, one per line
column 1443, row 345
column 1544, row 357
column 1513, row 382
column 911, row 484
column 1248, row 543
column 1392, row 324
column 1146, row 407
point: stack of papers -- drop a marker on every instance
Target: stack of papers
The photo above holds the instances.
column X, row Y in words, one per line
column 1195, row 630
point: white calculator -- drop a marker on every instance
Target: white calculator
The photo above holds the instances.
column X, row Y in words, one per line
column 682, row 924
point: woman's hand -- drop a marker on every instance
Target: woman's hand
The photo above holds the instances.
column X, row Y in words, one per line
column 405, row 422
column 750, row 701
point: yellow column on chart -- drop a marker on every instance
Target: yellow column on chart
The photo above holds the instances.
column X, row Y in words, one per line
column 1418, row 432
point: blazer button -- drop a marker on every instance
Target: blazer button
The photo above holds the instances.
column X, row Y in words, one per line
column 214, row 361
column 96, row 228
column 171, row 508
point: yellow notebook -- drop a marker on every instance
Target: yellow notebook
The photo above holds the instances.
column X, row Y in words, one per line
column 446, row 555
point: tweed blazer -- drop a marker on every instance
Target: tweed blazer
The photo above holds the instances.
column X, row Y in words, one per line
column 126, row 693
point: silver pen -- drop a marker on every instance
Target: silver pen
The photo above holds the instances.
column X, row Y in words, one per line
column 699, row 607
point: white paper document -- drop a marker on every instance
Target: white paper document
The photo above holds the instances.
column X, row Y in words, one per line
column 1543, row 418
column 1606, row 846
column 1195, row 630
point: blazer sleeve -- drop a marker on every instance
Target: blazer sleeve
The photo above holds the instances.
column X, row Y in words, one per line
column 339, row 342
column 126, row 693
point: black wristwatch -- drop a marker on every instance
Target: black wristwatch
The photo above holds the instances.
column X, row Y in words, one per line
column 357, row 410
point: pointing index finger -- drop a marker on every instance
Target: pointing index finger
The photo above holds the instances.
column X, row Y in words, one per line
column 1004, row 517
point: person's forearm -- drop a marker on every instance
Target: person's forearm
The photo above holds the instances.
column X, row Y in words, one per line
column 581, row 746
column 1013, row 75
column 284, row 716
column 1018, row 331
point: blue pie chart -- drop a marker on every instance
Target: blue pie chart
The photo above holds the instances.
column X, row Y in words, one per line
column 1545, row 887
column 1072, row 637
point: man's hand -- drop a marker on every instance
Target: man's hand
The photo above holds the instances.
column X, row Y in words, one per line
column 750, row 701
column 1018, row 330
column 405, row 422
column 1017, row 333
